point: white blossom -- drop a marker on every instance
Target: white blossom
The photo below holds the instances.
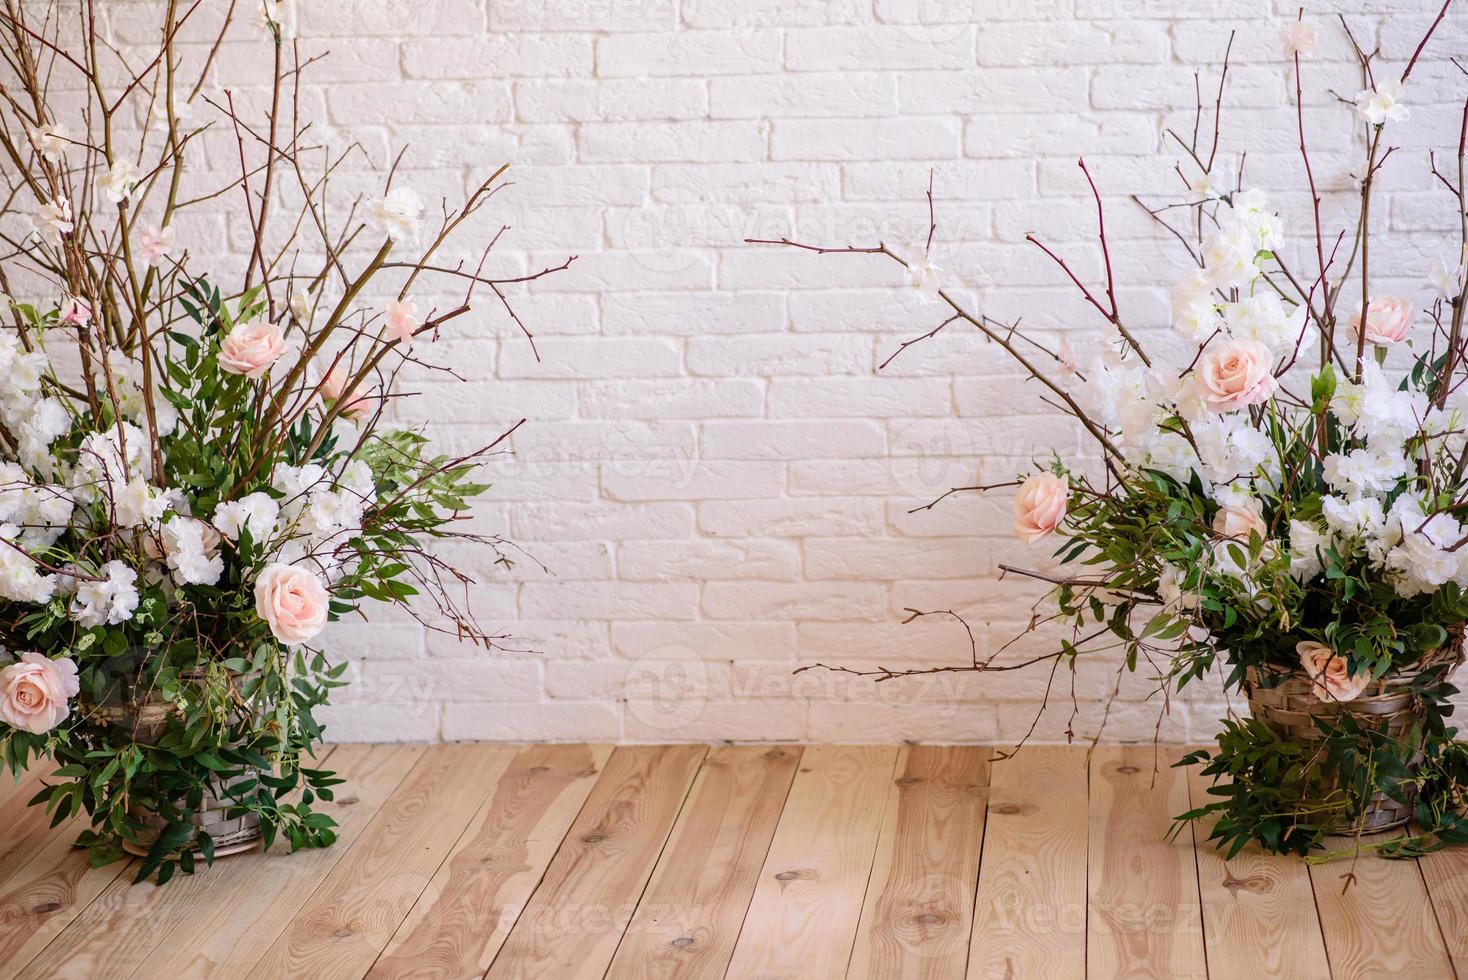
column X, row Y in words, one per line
column 1229, row 448
column 1353, row 518
column 1448, row 281
column 1421, row 557
column 1379, row 411
column 257, row 511
column 54, row 219
column 1194, row 308
column 140, row 504
column 118, row 182
column 20, row 578
column 111, row 602
column 192, row 550
column 1377, row 105
column 1307, row 541
column 396, row 215
column 1299, row 39
column 51, row 141
column 1363, row 471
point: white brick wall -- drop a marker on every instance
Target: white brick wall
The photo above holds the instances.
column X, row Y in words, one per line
column 714, row 473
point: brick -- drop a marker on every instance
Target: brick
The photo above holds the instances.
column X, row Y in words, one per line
column 693, row 53
column 878, row 48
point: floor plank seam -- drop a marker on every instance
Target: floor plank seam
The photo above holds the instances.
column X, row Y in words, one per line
column 265, row 946
column 548, row 865
column 672, row 825
column 447, row 855
column 876, row 843
column 794, row 775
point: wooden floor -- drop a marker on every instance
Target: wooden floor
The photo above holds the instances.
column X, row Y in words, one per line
column 558, row 862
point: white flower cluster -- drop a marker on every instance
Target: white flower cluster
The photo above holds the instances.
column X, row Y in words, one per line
column 103, row 488
column 318, row 517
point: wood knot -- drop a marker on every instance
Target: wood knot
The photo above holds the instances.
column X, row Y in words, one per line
column 773, row 754
column 929, row 919
column 1127, row 770
column 804, row 874
column 1258, row 884
column 593, row 838
column 1008, row 809
column 537, row 770
column 45, row 908
column 682, row 942
column 586, row 773
column 343, row 932
column 348, row 800
column 908, row 780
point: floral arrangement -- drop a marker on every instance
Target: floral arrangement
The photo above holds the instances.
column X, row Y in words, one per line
column 196, row 474
column 1282, row 500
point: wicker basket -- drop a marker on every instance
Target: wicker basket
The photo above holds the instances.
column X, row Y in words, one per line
column 1284, row 700
column 146, row 722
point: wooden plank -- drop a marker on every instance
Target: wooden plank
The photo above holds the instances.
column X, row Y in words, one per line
column 576, row 917
column 1258, row 909
column 216, row 921
column 689, row 917
column 463, row 917
column 27, row 828
column 1383, row 924
column 802, row 920
column 350, row 918
column 47, row 893
column 918, row 914
column 1446, row 874
column 1030, row 913
column 1144, row 918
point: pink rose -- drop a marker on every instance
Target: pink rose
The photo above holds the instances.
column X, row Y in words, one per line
column 1238, row 520
column 34, row 692
column 1388, row 319
column 402, row 320
column 1234, row 375
column 1040, row 506
column 332, row 387
column 292, row 601
column 250, row 348
column 1327, row 672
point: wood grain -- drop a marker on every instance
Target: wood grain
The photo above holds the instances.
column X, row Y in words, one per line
column 574, row 921
column 1144, row 918
column 46, row 894
column 217, row 921
column 802, row 921
column 918, row 915
column 1446, row 875
column 689, row 917
column 1030, row 912
column 1383, row 924
column 1258, row 909
column 463, row 917
column 352, row 915
column 26, row 827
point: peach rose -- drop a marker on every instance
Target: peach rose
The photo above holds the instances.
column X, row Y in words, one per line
column 1235, row 375
column 34, row 692
column 1388, row 319
column 1040, row 506
column 1237, row 520
column 292, row 601
column 402, row 320
column 1327, row 672
column 250, row 348
column 332, row 387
